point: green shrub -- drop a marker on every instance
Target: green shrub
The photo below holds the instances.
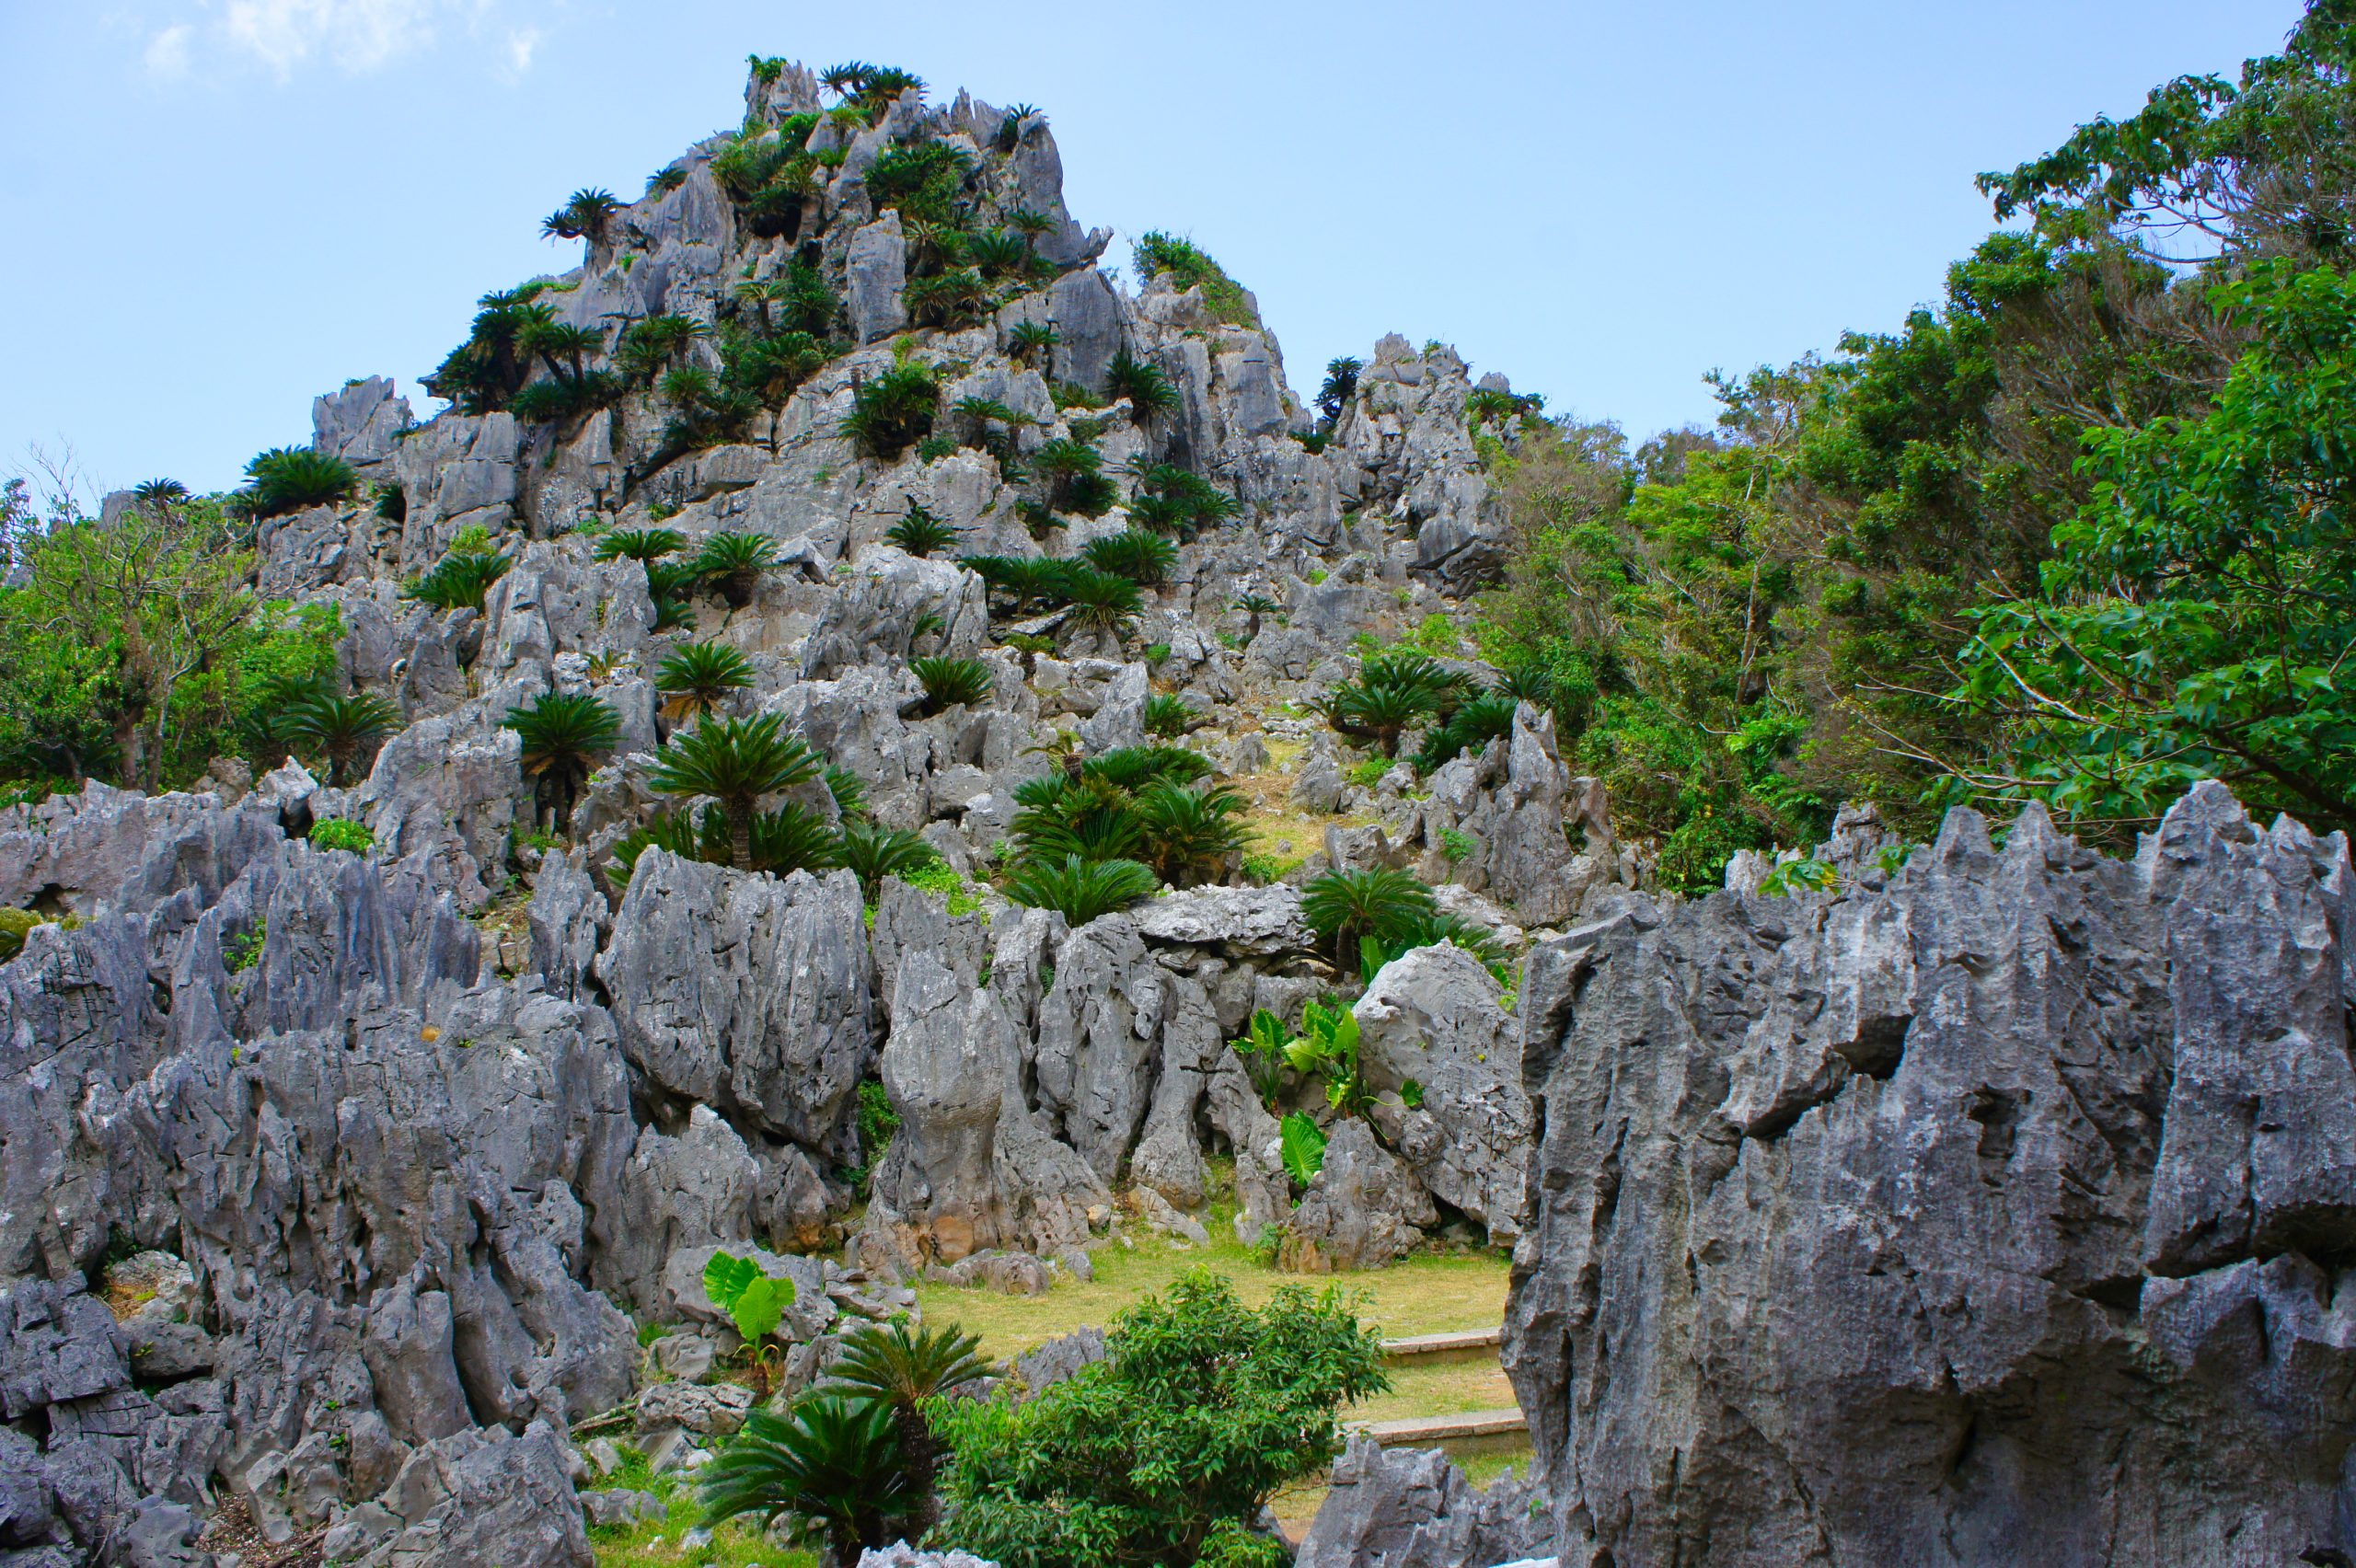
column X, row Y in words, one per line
column 697, row 678
column 1144, row 384
column 950, row 683
column 1101, row 603
column 1342, row 907
column 641, row 545
column 342, row 833
column 1169, row 716
column 1189, row 267
column 1187, row 836
column 1144, row 559
column 342, row 729
column 873, row 853
column 562, row 737
column 243, row 951
column 920, row 533
column 734, row 564
column 1081, row 890
column 1457, row 845
column 458, row 580
column 892, row 409
column 1368, row 774
column 1029, row 340
column 287, row 479
column 922, row 182
column 16, row 925
column 1170, row 1447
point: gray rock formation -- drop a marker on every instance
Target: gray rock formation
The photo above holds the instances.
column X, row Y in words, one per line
column 744, row 992
column 1364, row 1210
column 1410, row 1508
column 1432, row 1015
column 1993, row 1215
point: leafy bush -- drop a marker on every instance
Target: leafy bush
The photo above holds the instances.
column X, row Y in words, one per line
column 1169, row 500
column 1341, row 385
column 892, row 409
column 1101, row 603
column 1188, row 835
column 342, row 833
column 1169, row 716
column 874, row 853
column 828, row 1473
column 1342, row 907
column 735, row 761
column 1167, row 1450
column 948, row 682
column 1080, row 890
column 1190, row 267
column 922, row 182
column 1471, row 727
column 1144, row 384
column 287, row 479
column 16, row 925
column 344, row 729
column 698, row 678
column 920, row 533
column 641, row 545
column 1028, row 341
column 458, row 580
column 1144, row 559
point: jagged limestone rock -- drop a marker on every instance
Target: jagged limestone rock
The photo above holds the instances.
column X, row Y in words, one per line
column 1412, row 1508
column 1364, row 1210
column 1989, row 1215
column 746, row 992
column 1432, row 1015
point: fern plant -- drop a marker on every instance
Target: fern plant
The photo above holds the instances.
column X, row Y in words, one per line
column 735, row 761
column 873, row 853
column 458, row 580
column 1169, row 716
column 1342, row 905
column 344, row 729
column 893, row 410
column 734, row 564
column 287, row 479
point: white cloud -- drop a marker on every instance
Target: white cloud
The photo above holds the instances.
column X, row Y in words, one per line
column 352, row 36
column 168, row 50
column 521, row 44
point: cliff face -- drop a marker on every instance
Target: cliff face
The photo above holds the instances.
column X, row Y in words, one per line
column 1995, row 1210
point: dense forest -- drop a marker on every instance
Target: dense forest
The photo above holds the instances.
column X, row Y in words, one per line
column 2078, row 534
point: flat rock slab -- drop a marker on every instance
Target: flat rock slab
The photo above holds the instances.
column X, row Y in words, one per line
column 1430, row 1431
column 1469, row 1342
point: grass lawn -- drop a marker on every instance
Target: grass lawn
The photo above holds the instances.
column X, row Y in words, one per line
column 1423, row 1294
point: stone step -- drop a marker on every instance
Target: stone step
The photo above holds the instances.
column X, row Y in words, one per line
column 1432, row 1431
column 1468, row 1341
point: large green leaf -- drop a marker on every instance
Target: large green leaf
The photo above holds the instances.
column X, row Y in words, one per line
column 754, row 1300
column 1304, row 1149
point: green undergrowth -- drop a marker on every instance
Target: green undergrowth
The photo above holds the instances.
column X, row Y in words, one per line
column 655, row 1543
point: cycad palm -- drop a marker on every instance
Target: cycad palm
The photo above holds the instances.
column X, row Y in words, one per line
column 900, row 1371
column 735, row 761
column 639, row 545
column 1187, row 834
column 698, row 678
column 563, row 734
column 343, row 727
column 829, row 1470
column 1381, row 903
column 733, row 564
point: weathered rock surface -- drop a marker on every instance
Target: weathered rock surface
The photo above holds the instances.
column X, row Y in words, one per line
column 1365, row 1210
column 1410, row 1508
column 1996, row 1214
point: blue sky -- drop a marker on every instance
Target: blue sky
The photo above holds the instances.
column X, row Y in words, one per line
column 218, row 208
